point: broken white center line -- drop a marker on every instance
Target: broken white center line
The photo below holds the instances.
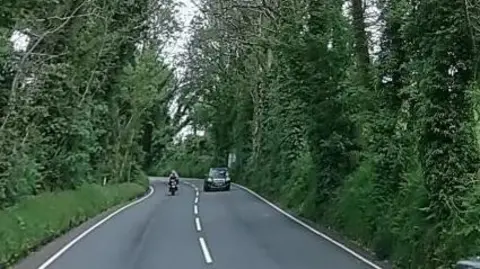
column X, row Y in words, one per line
column 197, row 223
column 206, row 253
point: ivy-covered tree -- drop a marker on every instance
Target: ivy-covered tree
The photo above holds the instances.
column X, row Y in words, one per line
column 380, row 146
column 75, row 104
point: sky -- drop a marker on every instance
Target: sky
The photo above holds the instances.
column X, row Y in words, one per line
column 19, row 40
column 186, row 12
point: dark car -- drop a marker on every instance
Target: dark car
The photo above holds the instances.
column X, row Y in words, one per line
column 217, row 179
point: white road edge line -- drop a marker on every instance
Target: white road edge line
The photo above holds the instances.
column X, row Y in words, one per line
column 195, row 209
column 196, row 200
column 89, row 230
column 197, row 223
column 324, row 236
column 206, row 252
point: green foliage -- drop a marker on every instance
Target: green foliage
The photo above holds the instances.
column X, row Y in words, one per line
column 191, row 158
column 384, row 149
column 38, row 219
column 298, row 193
column 87, row 100
column 83, row 111
column 354, row 211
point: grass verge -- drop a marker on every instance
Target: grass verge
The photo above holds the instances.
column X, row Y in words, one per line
column 39, row 219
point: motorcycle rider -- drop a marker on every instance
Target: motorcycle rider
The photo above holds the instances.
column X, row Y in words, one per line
column 173, row 178
column 173, row 175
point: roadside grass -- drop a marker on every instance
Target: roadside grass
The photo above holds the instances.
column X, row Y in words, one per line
column 37, row 220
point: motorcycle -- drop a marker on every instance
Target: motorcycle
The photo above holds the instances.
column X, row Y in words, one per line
column 173, row 186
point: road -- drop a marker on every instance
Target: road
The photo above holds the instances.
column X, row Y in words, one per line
column 194, row 230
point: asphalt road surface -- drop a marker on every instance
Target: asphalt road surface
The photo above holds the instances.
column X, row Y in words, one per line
column 194, row 230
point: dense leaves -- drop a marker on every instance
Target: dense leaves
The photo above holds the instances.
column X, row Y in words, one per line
column 86, row 100
column 375, row 136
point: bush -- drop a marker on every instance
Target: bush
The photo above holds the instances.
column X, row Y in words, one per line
column 39, row 219
column 298, row 193
column 187, row 167
column 399, row 233
column 354, row 210
column 141, row 179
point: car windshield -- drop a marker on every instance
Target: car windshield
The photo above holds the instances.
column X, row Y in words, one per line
column 218, row 173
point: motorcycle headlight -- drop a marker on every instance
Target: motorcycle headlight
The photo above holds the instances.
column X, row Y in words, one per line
column 209, row 179
column 228, row 179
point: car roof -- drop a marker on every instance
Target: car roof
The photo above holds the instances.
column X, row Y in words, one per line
column 219, row 168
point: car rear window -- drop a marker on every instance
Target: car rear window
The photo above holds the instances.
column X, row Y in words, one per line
column 220, row 173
